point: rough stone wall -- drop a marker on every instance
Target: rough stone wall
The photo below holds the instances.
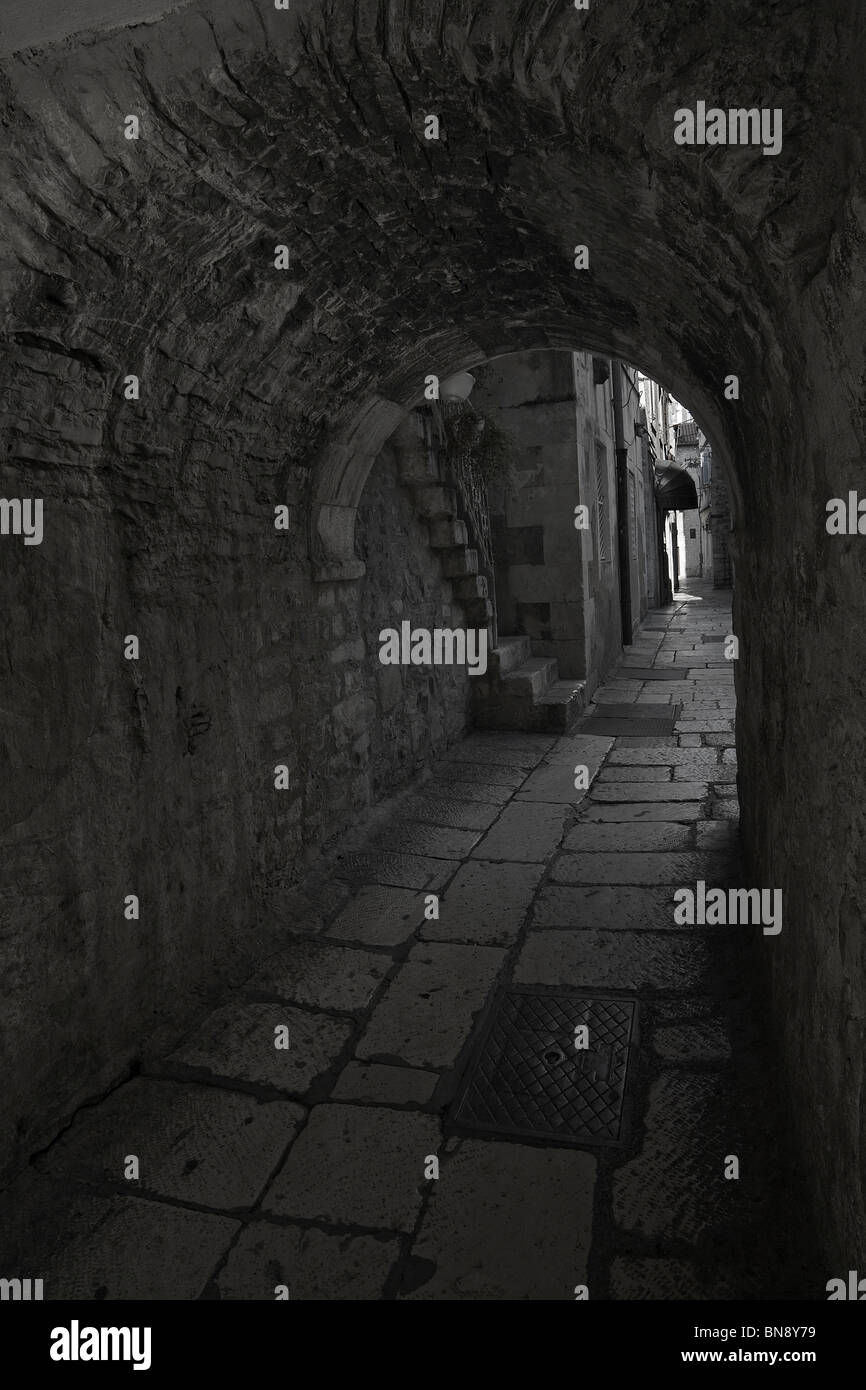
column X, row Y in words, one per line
column 720, row 530
column 414, row 712
column 156, row 777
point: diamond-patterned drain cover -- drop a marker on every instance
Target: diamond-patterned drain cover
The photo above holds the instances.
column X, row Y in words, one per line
column 526, row 1077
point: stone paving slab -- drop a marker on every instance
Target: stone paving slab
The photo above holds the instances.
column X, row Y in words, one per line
column 634, row 774
column 626, row 960
column 625, row 837
column 318, row 974
column 236, row 1041
column 357, row 1165
column 435, row 841
column 505, row 1222
column 462, row 815
column 664, row 757
column 136, row 1249
column 490, row 782
column 396, row 870
column 725, row 809
column 314, row 1265
column 381, row 1085
column 609, row 909
column 723, row 836
column 466, row 793
column 675, row 811
column 704, row 1041
column 675, row 1188
column 428, row 1009
column 380, row 916
column 214, row 1148
column 702, row 726
column 553, row 780
column 637, row 867
column 635, row 1277
column 649, row 791
column 485, row 903
column 526, row 833
column 495, row 753
column 626, row 741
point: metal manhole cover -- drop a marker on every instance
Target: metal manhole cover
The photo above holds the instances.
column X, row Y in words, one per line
column 526, row 1077
column 644, row 721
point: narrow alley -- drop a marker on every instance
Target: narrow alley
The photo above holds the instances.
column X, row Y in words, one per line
column 313, row 1166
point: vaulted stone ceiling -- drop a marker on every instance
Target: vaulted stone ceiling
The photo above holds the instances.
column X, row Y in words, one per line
column 305, row 127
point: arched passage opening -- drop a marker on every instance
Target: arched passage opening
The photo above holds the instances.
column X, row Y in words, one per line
column 266, row 386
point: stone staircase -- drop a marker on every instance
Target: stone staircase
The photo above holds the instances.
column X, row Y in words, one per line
column 523, row 692
column 518, row 691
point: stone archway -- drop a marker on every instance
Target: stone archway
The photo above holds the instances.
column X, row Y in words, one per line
column 305, row 129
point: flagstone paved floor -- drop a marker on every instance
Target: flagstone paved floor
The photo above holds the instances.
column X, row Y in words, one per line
column 304, row 1166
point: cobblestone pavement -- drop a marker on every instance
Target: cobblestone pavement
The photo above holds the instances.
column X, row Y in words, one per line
column 262, row 1166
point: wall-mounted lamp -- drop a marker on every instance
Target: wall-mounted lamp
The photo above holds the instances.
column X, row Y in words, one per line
column 457, row 387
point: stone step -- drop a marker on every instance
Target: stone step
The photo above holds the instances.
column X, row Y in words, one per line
column 511, row 652
column 446, row 534
column 531, row 678
column 530, row 697
column 416, row 466
column 459, row 562
column 470, row 586
column 565, row 702
column 478, row 611
column 435, row 502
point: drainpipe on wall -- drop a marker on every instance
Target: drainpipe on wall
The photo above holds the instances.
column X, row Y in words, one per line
column 623, row 550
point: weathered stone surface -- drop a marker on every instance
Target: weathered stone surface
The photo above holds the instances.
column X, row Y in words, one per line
column 663, row 757
column 676, row 1187
column 485, row 903
column 428, row 1009
column 634, row 774
column 673, row 811
column 615, row 909
column 315, row 1266
column 527, row 833
column 193, row 1143
column 395, row 870
column 693, row 1042
column 140, row 1250
column 439, row 842
column 462, row 814
column 628, row 836
column 636, row 867
column 380, row 916
column 314, row 973
column 554, row 779
column 237, row 1041
column 613, row 959
column 356, row 1164
column 649, row 791
column 473, row 1247
column 384, row 1085
column 632, row 1277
